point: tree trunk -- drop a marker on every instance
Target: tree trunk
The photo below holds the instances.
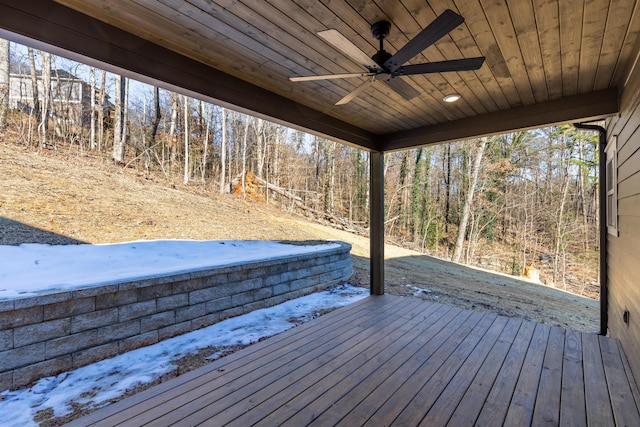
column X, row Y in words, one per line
column 223, row 152
column 244, row 157
column 43, row 126
column 206, row 142
column 447, row 190
column 4, row 82
column 173, row 140
column 120, row 127
column 92, row 108
column 186, row 140
column 34, row 88
column 261, row 144
column 462, row 229
column 559, row 233
column 157, row 116
column 101, row 102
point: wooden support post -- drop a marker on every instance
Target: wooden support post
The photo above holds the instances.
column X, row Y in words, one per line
column 376, row 223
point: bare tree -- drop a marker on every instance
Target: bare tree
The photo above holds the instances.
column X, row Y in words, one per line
column 187, row 112
column 43, row 126
column 205, row 153
column 92, row 108
column 101, row 106
column 244, row 156
column 462, row 229
column 4, row 82
column 223, row 152
column 120, row 124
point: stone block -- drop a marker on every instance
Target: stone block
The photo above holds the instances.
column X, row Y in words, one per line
column 188, row 285
column 120, row 330
column 219, row 304
column 94, row 320
column 136, row 310
column 6, row 339
column 277, row 299
column 232, row 312
column 40, row 332
column 203, row 295
column 225, row 290
column 281, row 289
column 138, row 341
column 205, row 321
column 174, row 330
column 247, row 285
column 303, row 283
column 25, row 376
column 22, row 356
column 94, row 354
column 260, row 272
column 274, row 279
column 93, row 291
column 242, row 298
column 172, row 302
column 71, row 343
column 238, row 275
column 248, row 308
column 68, row 308
column 8, row 305
column 6, row 381
column 21, row 317
column 262, row 293
column 156, row 291
column 157, row 321
column 116, row 299
column 42, row 300
column 215, row 279
column 191, row 312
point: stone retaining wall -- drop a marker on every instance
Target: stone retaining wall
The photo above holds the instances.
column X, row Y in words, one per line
column 56, row 332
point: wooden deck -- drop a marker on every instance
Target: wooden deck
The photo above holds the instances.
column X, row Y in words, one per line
column 390, row 360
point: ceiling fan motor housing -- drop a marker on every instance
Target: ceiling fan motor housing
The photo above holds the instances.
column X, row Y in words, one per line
column 380, row 30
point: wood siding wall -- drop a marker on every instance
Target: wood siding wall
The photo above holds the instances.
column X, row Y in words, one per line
column 623, row 256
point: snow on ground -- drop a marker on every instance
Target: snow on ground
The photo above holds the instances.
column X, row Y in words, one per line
column 31, row 268
column 416, row 291
column 95, row 384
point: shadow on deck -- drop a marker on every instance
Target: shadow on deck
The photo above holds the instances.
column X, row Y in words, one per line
column 389, row 360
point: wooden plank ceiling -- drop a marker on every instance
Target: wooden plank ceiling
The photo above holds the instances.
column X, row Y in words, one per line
column 546, row 60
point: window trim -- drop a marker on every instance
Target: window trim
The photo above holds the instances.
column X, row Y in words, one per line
column 611, row 185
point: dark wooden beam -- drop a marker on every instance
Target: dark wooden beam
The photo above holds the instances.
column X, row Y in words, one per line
column 47, row 25
column 376, row 223
column 585, row 107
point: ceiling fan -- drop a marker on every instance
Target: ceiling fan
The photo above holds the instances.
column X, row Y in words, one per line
column 385, row 67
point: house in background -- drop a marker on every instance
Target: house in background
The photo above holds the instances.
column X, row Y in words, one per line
column 70, row 96
column 70, row 103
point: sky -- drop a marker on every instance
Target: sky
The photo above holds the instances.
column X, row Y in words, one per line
column 30, row 268
column 95, row 384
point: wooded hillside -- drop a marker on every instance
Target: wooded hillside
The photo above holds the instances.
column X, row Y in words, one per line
column 527, row 199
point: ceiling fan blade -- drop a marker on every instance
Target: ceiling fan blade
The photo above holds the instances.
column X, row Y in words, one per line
column 330, row 77
column 441, row 26
column 466, row 64
column 340, row 42
column 403, row 88
column 355, row 92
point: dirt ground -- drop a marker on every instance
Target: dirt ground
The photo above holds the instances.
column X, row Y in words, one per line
column 70, row 197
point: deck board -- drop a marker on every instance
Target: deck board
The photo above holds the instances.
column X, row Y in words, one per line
column 547, row 404
column 389, row 360
column 572, row 401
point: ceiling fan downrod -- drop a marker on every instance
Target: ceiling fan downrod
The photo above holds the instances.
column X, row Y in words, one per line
column 380, row 31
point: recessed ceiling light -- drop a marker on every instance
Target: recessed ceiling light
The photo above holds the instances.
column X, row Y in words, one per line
column 451, row 98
